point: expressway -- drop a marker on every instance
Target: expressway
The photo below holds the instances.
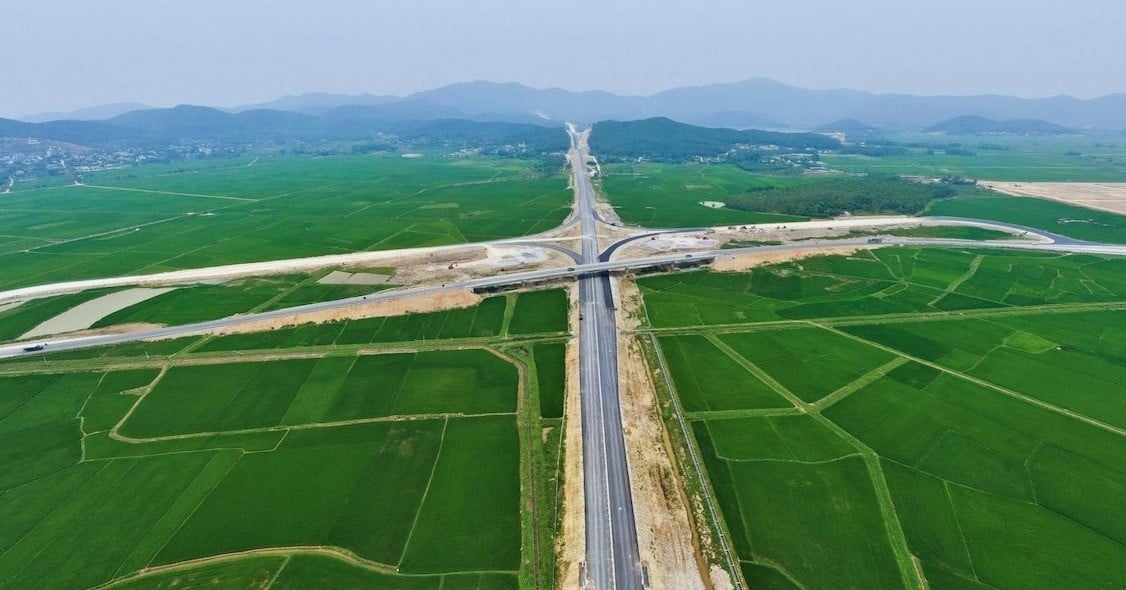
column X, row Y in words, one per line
column 612, row 557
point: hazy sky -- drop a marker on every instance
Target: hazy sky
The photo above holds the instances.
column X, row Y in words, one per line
column 63, row 54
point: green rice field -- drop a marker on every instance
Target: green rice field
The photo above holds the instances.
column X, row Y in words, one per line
column 139, row 221
column 670, row 195
column 1003, row 158
column 909, row 445
column 291, row 467
column 888, row 281
column 1060, row 218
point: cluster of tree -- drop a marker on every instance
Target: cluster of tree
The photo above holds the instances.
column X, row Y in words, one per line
column 973, row 125
column 464, row 133
column 663, row 139
column 371, row 147
column 872, row 194
column 955, row 151
column 766, row 162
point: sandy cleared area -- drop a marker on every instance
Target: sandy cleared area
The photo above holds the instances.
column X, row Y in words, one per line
column 738, row 262
column 84, row 315
column 401, row 306
column 339, row 277
column 678, row 242
column 570, row 545
column 479, row 262
column 667, row 541
column 839, row 226
column 1104, row 196
column 711, row 239
column 436, row 257
column 115, row 329
column 713, row 204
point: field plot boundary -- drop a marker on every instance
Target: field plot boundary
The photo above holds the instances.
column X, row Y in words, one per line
column 969, row 366
column 712, row 335
column 906, row 318
column 909, row 569
column 175, row 194
column 425, row 493
column 116, row 434
column 333, row 552
column 1002, row 390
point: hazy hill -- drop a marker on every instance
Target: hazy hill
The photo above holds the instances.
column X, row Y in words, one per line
column 971, row 125
column 660, row 137
column 76, row 132
column 193, row 122
column 96, row 113
column 510, row 99
column 754, row 103
column 850, row 127
column 766, row 103
column 316, row 103
column 395, row 111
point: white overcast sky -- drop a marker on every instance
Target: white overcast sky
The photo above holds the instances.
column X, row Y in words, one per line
column 64, row 54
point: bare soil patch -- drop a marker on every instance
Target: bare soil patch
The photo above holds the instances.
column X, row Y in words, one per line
column 84, row 315
column 667, row 541
column 1104, row 196
column 118, row 329
column 401, row 258
column 478, row 262
column 738, row 262
column 403, row 306
column 339, row 277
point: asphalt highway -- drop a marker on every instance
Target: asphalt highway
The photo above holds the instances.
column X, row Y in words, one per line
column 612, row 558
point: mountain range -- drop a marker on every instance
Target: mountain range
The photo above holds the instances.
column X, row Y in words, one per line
column 757, row 103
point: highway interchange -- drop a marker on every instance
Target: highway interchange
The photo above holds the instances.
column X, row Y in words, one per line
column 612, row 554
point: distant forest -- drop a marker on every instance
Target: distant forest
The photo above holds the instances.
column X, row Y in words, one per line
column 662, row 139
column 158, row 127
column 872, row 194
